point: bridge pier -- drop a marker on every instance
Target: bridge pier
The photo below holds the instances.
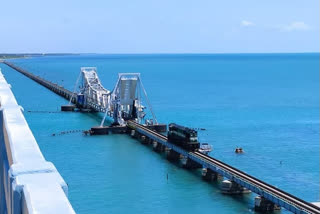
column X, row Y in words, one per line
column 190, row 164
column 149, row 141
column 209, row 175
column 236, row 176
column 158, row 147
column 105, row 130
column 172, row 155
column 133, row 133
column 231, row 187
column 144, row 139
column 68, row 108
column 264, row 205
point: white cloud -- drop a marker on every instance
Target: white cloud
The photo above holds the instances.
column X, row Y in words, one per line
column 296, row 26
column 246, row 23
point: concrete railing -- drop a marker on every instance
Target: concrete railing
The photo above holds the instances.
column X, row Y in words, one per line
column 28, row 183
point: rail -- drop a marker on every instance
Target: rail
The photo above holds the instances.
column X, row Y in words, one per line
column 309, row 207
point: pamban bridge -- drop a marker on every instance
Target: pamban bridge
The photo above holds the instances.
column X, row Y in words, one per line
column 30, row 184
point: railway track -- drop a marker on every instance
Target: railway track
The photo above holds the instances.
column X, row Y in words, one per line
column 295, row 201
column 132, row 124
column 276, row 192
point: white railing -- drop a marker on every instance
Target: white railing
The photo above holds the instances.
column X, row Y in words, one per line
column 28, row 183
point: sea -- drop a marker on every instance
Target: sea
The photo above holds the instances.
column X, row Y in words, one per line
column 268, row 104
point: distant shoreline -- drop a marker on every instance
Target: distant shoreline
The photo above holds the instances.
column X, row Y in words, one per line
column 4, row 56
column 155, row 53
column 30, row 55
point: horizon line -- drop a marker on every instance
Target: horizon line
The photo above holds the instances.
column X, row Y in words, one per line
column 156, row 53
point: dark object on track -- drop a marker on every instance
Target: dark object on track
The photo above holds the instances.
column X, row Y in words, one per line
column 184, row 137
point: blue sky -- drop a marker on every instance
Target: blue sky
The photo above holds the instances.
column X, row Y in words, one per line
column 163, row 26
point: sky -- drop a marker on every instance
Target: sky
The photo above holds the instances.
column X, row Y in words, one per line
column 162, row 26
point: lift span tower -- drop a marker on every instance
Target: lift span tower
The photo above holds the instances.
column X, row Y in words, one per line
column 127, row 101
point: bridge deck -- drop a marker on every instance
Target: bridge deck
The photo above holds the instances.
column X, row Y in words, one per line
column 274, row 194
column 51, row 86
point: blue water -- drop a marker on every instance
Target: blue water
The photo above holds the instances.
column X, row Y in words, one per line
column 266, row 103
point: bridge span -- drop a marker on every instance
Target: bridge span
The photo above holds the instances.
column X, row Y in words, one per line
column 128, row 99
column 49, row 85
column 124, row 105
column 267, row 191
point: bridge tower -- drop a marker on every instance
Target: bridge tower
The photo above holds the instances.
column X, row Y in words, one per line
column 91, row 95
column 124, row 102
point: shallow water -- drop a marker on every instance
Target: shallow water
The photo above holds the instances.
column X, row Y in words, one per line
column 267, row 104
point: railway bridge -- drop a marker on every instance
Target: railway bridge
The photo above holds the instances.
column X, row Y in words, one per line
column 269, row 195
column 124, row 105
column 128, row 100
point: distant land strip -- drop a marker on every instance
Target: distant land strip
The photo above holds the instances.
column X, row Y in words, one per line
column 28, row 55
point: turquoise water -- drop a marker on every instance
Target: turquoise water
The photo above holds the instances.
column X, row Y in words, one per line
column 267, row 104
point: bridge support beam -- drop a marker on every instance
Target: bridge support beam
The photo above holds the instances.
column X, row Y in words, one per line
column 209, row 175
column 231, row 187
column 264, row 205
column 172, row 155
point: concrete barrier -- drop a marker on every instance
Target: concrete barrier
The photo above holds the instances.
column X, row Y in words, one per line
column 28, row 183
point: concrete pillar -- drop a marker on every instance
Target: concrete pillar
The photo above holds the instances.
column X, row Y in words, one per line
column 231, row 187
column 172, row 155
column 190, row 164
column 136, row 135
column 147, row 141
column 144, row 139
column 209, row 175
column 158, row 147
column 264, row 205
column 150, row 141
column 133, row 133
